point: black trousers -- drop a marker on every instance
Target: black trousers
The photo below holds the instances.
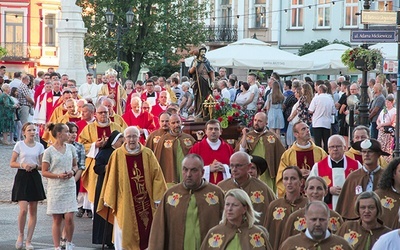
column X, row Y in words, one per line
column 321, row 135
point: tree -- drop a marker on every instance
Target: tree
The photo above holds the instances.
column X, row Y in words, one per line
column 314, row 45
column 159, row 26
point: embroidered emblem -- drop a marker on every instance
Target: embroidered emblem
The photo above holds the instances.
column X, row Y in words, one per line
column 49, row 99
column 300, row 224
column 388, row 202
column 173, row 199
column 156, row 139
column 250, row 139
column 256, row 240
column 230, row 141
column 337, row 247
column 327, row 180
column 211, row 198
column 257, row 197
column 168, row 143
column 215, row 240
column 352, row 237
column 279, row 213
column 334, row 224
column 271, row 139
column 300, row 248
column 187, row 142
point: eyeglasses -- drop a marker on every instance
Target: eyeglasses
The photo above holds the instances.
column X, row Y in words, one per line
column 335, row 147
column 102, row 112
column 237, row 165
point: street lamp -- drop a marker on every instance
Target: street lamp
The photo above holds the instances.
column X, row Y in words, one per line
column 363, row 107
column 121, row 29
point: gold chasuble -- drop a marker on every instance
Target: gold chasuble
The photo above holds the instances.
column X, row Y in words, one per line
column 134, row 183
column 91, row 133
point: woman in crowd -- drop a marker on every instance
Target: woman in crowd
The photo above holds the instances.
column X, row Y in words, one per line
column 388, row 191
column 186, row 100
column 273, row 106
column 293, row 118
column 59, row 165
column 17, row 121
column 315, row 190
column 7, row 110
column 385, row 124
column 363, row 233
column 342, row 110
column 115, row 141
column 28, row 187
column 258, row 166
column 304, row 103
column 237, row 225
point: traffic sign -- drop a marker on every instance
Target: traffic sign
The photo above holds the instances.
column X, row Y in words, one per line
column 378, row 17
column 376, row 36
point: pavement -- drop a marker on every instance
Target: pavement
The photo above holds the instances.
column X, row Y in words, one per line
column 42, row 237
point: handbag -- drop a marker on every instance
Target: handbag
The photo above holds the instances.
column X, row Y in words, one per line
column 388, row 129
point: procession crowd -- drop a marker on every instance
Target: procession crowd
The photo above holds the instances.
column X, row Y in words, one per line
column 297, row 176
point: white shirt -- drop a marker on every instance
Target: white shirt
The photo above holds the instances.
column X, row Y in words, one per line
column 253, row 90
column 323, row 108
column 226, row 94
column 87, row 90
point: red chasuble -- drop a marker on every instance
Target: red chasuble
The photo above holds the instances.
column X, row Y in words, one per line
column 141, row 199
column 81, row 125
column 103, row 132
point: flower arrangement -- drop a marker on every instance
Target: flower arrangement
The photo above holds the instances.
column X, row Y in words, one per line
column 369, row 57
column 225, row 112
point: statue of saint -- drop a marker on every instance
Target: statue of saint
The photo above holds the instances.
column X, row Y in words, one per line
column 203, row 78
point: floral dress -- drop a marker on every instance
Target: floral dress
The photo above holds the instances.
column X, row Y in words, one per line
column 302, row 111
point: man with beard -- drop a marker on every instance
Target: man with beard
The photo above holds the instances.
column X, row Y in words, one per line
column 303, row 153
column 154, row 137
column 203, row 75
column 317, row 235
column 262, row 142
column 188, row 210
column 171, row 149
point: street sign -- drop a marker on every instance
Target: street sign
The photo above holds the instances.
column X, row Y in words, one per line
column 376, row 36
column 378, row 17
column 390, row 67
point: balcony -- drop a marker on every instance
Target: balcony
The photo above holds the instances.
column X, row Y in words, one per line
column 16, row 51
column 221, row 33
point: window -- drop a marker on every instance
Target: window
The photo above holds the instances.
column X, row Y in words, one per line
column 226, row 7
column 297, row 9
column 385, row 5
column 14, row 28
column 351, row 8
column 50, row 30
column 323, row 13
column 260, row 14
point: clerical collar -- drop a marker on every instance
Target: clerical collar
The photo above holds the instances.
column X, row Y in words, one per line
column 327, row 234
column 135, row 114
column 57, row 93
column 132, row 151
column 304, row 146
column 265, row 130
column 151, row 95
column 214, row 145
column 338, row 160
column 373, row 171
column 337, row 164
column 91, row 120
column 103, row 124
column 112, row 85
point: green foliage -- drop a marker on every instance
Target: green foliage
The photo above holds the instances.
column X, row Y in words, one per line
column 164, row 69
column 314, row 45
column 371, row 57
column 158, row 26
column 3, row 52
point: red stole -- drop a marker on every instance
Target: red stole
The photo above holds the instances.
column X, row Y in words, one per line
column 111, row 118
column 103, row 131
column 114, row 91
column 74, row 119
column 305, row 159
column 358, row 158
column 325, row 170
column 81, row 125
column 48, row 98
column 140, row 197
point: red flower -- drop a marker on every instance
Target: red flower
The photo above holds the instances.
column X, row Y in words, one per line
column 217, row 107
column 230, row 118
column 222, row 104
column 237, row 114
column 245, row 116
column 219, row 119
column 217, row 97
column 234, row 105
